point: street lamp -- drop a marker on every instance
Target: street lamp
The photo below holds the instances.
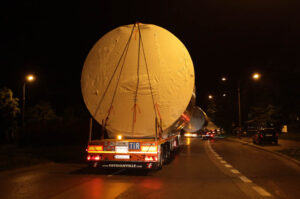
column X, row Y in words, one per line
column 210, row 96
column 256, row 76
column 239, row 103
column 28, row 78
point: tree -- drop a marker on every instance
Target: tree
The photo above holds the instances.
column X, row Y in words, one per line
column 9, row 110
column 41, row 112
column 263, row 114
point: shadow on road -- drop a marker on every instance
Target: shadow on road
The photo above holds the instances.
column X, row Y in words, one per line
column 118, row 172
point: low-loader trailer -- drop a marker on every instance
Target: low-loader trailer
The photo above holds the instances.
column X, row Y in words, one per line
column 138, row 84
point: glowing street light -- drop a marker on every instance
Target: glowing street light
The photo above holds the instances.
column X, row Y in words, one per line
column 210, row 96
column 28, row 78
column 256, row 76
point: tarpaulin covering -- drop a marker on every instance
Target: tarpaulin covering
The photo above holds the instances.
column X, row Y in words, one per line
column 170, row 74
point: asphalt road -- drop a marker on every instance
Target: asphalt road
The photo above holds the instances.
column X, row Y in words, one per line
column 203, row 169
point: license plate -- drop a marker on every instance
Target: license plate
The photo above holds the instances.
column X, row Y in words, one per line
column 124, row 157
column 269, row 135
column 122, row 147
column 134, row 145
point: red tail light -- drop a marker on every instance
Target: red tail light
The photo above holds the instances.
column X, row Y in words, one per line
column 261, row 136
column 97, row 157
column 148, row 158
column 93, row 157
column 211, row 135
column 151, row 158
column 88, row 157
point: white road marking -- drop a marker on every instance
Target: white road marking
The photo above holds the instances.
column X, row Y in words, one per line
column 245, row 179
column 258, row 189
column 261, row 191
column 228, row 165
column 234, row 171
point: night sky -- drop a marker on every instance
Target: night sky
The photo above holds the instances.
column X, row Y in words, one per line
column 234, row 38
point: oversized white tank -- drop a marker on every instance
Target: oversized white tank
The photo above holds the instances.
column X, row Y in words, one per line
column 133, row 69
column 197, row 120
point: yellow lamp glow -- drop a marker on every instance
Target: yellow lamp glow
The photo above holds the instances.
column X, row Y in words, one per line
column 256, row 76
column 30, row 78
column 119, row 137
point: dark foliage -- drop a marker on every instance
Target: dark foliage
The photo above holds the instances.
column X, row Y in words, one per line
column 9, row 110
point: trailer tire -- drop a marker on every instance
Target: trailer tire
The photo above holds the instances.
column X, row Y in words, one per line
column 167, row 153
column 161, row 159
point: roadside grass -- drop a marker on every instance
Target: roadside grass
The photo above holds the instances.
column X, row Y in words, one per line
column 13, row 156
column 60, row 154
column 292, row 152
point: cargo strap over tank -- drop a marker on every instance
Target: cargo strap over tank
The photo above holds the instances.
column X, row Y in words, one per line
column 158, row 129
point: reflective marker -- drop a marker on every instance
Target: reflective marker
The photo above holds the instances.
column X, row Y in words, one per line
column 234, row 171
column 245, row 179
column 261, row 191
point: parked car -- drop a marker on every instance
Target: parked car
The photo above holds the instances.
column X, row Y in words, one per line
column 266, row 135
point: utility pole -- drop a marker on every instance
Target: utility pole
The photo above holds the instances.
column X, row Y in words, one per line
column 23, row 103
column 239, row 103
column 28, row 78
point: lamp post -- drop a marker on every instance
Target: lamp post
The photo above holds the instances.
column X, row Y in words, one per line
column 255, row 76
column 239, row 103
column 28, row 78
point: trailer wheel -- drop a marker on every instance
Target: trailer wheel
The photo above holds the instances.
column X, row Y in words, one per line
column 167, row 153
column 161, row 159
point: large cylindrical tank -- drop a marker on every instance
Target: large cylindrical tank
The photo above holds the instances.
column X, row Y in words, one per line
column 112, row 69
column 197, row 120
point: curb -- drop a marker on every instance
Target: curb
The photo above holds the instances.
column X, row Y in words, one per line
column 263, row 149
